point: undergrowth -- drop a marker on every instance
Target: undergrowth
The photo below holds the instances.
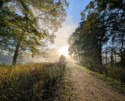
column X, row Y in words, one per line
column 31, row 82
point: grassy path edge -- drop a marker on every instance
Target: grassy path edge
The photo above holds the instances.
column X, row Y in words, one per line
column 66, row 92
column 116, row 85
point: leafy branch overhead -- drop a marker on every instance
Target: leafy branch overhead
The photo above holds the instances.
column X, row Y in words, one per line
column 24, row 23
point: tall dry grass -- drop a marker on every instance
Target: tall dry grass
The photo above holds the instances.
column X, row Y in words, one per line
column 30, row 82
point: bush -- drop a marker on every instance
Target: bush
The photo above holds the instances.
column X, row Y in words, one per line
column 62, row 62
column 117, row 72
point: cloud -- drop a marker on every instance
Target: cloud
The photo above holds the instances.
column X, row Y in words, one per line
column 62, row 35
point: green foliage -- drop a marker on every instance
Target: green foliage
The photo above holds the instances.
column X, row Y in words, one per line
column 117, row 73
column 112, row 4
column 88, row 39
column 25, row 23
column 100, row 37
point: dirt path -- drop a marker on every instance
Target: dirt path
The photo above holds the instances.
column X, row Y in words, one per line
column 88, row 88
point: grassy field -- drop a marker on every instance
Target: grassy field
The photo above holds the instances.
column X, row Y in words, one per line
column 34, row 82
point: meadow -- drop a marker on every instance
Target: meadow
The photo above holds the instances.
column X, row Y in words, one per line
column 31, row 82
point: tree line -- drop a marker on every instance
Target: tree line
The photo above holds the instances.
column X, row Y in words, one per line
column 100, row 38
column 28, row 25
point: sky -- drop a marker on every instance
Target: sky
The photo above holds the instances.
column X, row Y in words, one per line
column 71, row 23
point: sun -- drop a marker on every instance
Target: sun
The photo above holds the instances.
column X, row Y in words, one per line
column 63, row 51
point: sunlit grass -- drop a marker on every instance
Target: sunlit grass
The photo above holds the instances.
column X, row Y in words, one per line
column 30, row 82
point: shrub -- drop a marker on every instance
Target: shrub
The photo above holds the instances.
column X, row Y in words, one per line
column 117, row 72
column 62, row 62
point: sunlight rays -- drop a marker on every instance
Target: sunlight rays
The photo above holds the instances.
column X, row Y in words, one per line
column 63, row 51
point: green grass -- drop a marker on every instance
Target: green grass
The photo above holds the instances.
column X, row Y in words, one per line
column 30, row 82
column 66, row 92
column 114, row 83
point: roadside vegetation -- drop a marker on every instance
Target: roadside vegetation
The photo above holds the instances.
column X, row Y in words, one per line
column 110, row 79
column 32, row 82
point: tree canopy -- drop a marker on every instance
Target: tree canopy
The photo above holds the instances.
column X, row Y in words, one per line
column 26, row 24
column 100, row 37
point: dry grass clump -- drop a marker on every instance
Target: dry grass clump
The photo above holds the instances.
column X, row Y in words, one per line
column 30, row 82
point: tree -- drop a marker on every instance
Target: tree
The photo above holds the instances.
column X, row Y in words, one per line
column 62, row 62
column 34, row 21
column 101, row 31
column 91, row 37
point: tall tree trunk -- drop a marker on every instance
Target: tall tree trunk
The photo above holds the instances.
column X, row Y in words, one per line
column 112, row 57
column 112, row 51
column 16, row 53
column 123, row 59
column 1, row 4
column 17, row 50
column 122, row 50
column 100, row 54
column 100, row 58
column 106, row 55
